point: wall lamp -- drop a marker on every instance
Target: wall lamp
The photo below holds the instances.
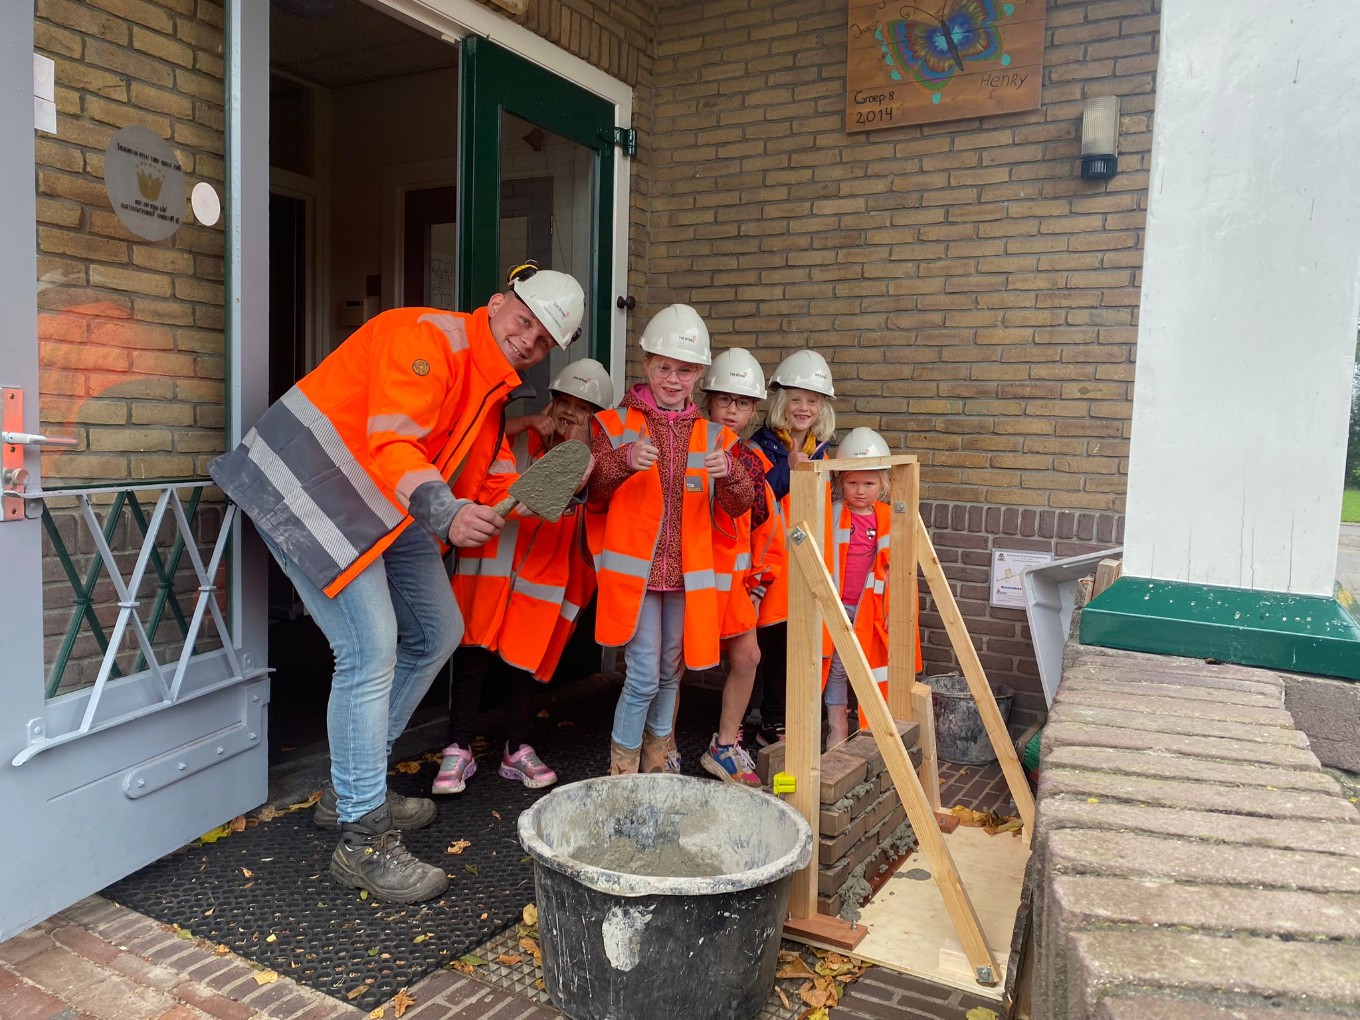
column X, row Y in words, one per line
column 1100, row 138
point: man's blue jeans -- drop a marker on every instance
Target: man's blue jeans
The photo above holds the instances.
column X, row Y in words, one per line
column 653, row 661
column 391, row 628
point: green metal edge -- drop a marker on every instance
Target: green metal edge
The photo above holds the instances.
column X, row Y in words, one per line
column 1296, row 633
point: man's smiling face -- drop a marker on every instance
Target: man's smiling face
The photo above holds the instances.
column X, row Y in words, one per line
column 522, row 338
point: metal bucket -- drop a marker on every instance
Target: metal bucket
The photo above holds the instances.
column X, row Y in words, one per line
column 960, row 736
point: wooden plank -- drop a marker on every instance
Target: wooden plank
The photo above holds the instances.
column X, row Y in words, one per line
column 923, row 711
column 832, row 464
column 1107, row 573
column 803, row 550
column 803, row 690
column 903, row 600
column 977, row 679
column 833, row 931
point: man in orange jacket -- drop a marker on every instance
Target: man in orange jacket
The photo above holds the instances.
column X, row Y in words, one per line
column 348, row 480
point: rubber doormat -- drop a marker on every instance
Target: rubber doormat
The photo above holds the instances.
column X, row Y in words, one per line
column 266, row 892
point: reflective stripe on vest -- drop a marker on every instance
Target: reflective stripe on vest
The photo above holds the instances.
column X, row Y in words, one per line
column 553, row 593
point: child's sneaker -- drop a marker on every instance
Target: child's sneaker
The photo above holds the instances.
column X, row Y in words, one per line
column 526, row 766
column 455, row 770
column 730, row 763
column 769, row 734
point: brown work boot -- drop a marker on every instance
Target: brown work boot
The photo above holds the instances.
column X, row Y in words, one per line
column 654, row 750
column 622, row 760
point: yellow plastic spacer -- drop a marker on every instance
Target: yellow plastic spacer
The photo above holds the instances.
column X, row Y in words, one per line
column 783, row 783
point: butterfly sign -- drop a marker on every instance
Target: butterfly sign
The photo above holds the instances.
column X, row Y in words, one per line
column 945, row 60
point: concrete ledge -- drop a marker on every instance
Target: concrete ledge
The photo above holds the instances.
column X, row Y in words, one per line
column 1195, row 861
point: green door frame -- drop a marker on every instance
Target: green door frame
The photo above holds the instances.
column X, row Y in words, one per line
column 496, row 81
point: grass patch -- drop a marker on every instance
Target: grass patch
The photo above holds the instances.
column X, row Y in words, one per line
column 1350, row 506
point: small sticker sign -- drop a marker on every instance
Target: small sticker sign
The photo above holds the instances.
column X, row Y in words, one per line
column 1008, row 566
column 145, row 182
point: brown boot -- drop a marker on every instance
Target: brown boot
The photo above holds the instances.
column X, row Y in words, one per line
column 653, row 752
column 622, row 761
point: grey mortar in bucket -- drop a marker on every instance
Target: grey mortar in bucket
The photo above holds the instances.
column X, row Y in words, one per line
column 960, row 736
column 661, row 896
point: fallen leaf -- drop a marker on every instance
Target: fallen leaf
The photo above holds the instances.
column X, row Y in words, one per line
column 816, row 994
column 534, row 951
column 459, row 847
column 237, row 824
column 265, row 977
column 794, row 969
column 496, row 815
column 980, row 1013
column 471, row 869
column 399, row 1003
column 410, row 768
column 271, row 938
column 819, row 1013
column 213, row 835
column 461, row 967
column 356, row 991
column 309, row 802
column 209, row 912
column 183, row 933
column 378, row 1013
column 420, row 938
column 373, row 951
column 483, row 917
column 530, row 914
column 248, row 873
column 220, row 950
column 471, row 960
column 363, row 894
column 268, row 813
column 543, row 713
column 509, row 959
column 782, row 997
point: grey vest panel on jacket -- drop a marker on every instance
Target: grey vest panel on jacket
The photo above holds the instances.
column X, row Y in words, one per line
column 295, row 478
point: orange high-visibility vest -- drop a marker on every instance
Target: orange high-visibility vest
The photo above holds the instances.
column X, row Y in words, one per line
column 756, row 552
column 413, row 396
column 624, row 535
column 521, row 591
column 871, row 622
column 769, row 555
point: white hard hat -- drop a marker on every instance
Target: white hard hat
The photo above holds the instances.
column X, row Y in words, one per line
column 804, row 370
column 862, row 442
column 557, row 301
column 677, row 331
column 735, row 371
column 588, row 380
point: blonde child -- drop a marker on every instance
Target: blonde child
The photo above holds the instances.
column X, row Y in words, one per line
column 799, row 426
column 660, row 469
column 857, row 556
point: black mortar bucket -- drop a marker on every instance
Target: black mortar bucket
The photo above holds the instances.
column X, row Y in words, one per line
column 662, row 896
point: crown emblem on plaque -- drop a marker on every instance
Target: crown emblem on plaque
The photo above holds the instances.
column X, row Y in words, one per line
column 149, row 182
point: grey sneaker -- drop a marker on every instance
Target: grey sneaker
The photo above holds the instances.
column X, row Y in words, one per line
column 371, row 856
column 407, row 812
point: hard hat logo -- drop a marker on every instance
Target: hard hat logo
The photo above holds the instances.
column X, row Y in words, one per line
column 556, row 300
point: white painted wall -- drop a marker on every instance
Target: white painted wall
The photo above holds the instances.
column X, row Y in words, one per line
column 1248, row 316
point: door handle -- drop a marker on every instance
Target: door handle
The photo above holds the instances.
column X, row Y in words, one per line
column 625, row 302
column 32, row 439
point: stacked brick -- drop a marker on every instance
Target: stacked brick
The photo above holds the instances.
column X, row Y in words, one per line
column 862, row 823
column 1192, row 858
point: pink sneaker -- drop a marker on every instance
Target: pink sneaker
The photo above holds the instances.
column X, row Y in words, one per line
column 526, row 766
column 455, row 770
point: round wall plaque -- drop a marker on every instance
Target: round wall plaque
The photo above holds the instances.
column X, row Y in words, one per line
column 145, row 182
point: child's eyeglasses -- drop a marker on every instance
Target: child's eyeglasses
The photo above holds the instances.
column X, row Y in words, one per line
column 726, row 400
column 685, row 372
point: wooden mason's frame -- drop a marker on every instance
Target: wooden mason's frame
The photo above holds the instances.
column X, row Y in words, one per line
column 814, row 602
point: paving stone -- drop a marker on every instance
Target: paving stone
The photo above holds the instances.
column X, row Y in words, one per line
column 1071, row 732
column 144, row 972
column 14, row 951
column 1076, row 811
column 1076, row 714
column 30, row 1003
column 1178, row 766
column 840, row 773
column 1321, row 973
column 1133, row 663
column 1149, row 1007
column 1267, row 685
column 183, row 1012
column 218, row 1006
column 1085, row 901
column 1202, row 796
column 80, row 941
column 1144, row 702
column 1107, row 681
column 92, row 989
column 1134, row 855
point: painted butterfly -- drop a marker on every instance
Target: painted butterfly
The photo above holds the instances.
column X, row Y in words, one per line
column 932, row 49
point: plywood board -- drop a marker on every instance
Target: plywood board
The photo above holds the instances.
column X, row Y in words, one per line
column 934, row 60
column 910, row 930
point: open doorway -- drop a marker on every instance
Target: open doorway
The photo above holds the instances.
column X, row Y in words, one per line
column 364, row 173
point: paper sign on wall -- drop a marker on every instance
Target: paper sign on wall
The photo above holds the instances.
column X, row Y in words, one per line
column 1008, row 590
